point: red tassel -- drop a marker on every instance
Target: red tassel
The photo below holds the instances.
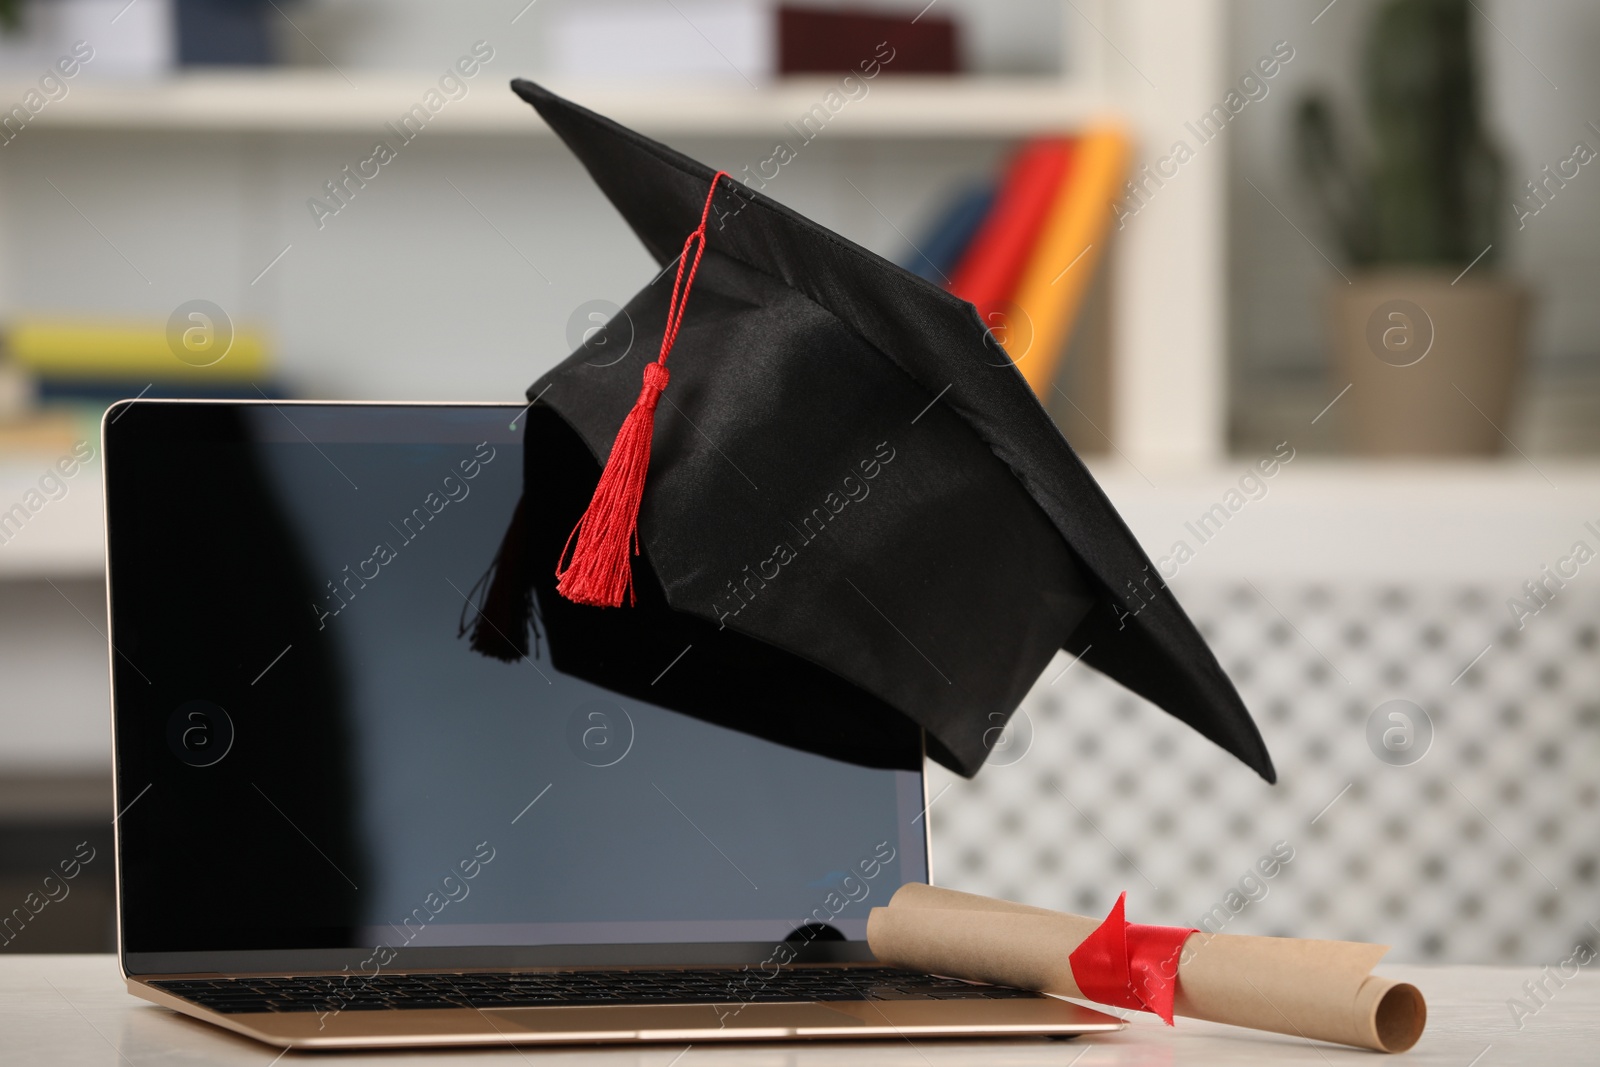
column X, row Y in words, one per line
column 600, row 572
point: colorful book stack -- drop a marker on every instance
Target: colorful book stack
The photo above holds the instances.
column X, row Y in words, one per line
column 1027, row 253
column 96, row 363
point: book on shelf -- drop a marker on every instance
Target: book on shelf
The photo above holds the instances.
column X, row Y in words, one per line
column 936, row 255
column 1069, row 250
column 1031, row 259
column 97, row 362
column 826, row 40
column 989, row 270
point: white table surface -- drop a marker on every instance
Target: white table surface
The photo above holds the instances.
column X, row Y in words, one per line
column 67, row 1011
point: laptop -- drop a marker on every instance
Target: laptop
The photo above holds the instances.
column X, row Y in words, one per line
column 338, row 826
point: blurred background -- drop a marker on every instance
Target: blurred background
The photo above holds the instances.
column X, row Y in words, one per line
column 1311, row 284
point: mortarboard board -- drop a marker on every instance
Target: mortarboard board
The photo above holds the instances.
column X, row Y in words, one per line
column 856, row 515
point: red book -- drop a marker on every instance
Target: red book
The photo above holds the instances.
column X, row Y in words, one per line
column 987, row 274
column 830, row 41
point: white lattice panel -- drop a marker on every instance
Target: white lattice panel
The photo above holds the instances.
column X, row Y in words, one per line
column 1483, row 850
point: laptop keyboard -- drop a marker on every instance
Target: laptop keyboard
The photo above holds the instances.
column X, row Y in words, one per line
column 395, row 992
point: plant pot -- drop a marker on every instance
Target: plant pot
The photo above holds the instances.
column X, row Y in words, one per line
column 1431, row 365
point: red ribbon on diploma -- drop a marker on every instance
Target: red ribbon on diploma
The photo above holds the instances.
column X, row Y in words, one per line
column 1127, row 965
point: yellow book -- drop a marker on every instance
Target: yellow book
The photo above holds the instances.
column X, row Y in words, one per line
column 197, row 350
column 1068, row 252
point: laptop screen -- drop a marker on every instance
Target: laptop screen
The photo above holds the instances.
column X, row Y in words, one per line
column 314, row 766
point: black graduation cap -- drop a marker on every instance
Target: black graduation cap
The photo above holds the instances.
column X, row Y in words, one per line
column 850, row 506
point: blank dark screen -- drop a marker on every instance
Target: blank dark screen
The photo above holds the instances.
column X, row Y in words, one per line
column 309, row 754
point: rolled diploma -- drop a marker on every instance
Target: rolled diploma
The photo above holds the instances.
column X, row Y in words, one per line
column 1322, row 990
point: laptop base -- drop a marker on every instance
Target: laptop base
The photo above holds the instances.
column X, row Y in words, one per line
column 651, row 1023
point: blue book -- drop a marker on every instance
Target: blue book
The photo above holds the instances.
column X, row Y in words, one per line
column 937, row 254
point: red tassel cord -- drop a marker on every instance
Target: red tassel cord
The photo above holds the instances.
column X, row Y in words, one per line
column 600, row 571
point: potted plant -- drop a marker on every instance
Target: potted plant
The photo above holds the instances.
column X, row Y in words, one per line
column 1427, row 334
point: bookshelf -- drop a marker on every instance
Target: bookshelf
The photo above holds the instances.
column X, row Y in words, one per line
column 295, row 101
column 129, row 198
